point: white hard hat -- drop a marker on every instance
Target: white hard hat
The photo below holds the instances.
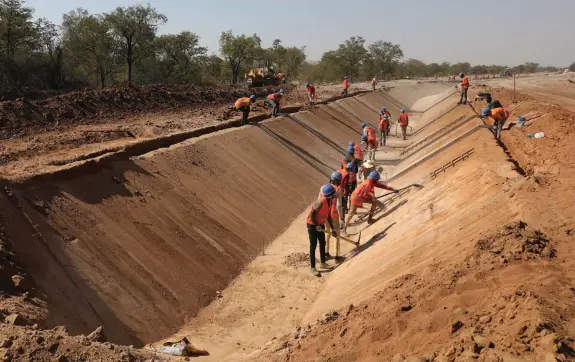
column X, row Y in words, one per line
column 368, row 164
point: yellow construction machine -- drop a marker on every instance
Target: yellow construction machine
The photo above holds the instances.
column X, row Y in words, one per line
column 263, row 74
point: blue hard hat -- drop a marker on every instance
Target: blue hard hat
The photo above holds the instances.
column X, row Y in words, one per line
column 328, row 191
column 402, row 110
column 364, row 138
column 351, row 143
column 363, row 125
column 282, row 91
column 461, row 74
column 307, row 85
column 485, row 112
column 350, row 149
column 336, row 176
column 252, row 97
column 350, row 166
column 374, row 175
column 384, row 109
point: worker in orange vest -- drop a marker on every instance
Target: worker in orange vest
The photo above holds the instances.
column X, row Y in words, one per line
column 243, row 104
column 319, row 214
column 383, row 128
column 310, row 89
column 274, row 100
column 370, row 140
column 358, row 161
column 365, row 193
column 499, row 115
column 464, row 88
column 345, row 86
column 336, row 213
column 403, row 123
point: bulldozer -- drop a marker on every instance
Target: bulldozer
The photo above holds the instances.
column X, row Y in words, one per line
column 263, row 74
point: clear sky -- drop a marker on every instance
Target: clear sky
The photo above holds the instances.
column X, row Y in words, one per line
column 481, row 32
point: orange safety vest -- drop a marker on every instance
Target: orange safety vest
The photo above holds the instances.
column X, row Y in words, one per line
column 499, row 114
column 322, row 214
column 370, row 134
column 358, row 152
column 344, row 177
column 465, row 83
column 345, row 84
column 361, row 193
column 275, row 97
column 311, row 89
column 333, row 213
column 403, row 120
column 243, row 102
column 383, row 122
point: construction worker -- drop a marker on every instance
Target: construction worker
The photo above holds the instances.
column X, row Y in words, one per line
column 371, row 144
column 319, row 214
column 310, row 89
column 345, row 172
column 403, row 123
column 365, row 193
column 243, row 105
column 383, row 128
column 336, row 213
column 464, row 88
column 373, row 83
column 274, row 100
column 358, row 161
column 499, row 115
column 384, row 111
column 368, row 167
column 345, row 87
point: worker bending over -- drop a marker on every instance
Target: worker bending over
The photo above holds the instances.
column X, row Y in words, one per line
column 336, row 213
column 310, row 89
column 274, row 100
column 368, row 167
column 464, row 88
column 319, row 214
column 403, row 123
column 243, row 104
column 499, row 115
column 345, row 87
column 365, row 193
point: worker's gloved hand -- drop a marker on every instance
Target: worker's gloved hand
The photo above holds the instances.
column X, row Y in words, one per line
column 319, row 228
column 333, row 233
column 396, row 191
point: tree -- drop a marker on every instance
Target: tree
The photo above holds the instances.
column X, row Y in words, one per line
column 238, row 49
column 88, row 39
column 351, row 53
column 50, row 43
column 179, row 52
column 572, row 67
column 135, row 28
column 385, row 56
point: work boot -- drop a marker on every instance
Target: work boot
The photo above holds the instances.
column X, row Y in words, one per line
column 370, row 219
column 328, row 256
column 339, row 259
column 315, row 272
column 323, row 265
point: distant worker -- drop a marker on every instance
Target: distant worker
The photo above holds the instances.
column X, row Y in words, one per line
column 373, row 83
column 358, row 160
column 384, row 111
column 365, row 193
column 383, row 128
column 274, row 100
column 336, row 212
column 370, row 140
column 310, row 89
column 319, row 214
column 345, row 87
column 464, row 88
column 403, row 123
column 499, row 115
column 243, row 104
column 368, row 167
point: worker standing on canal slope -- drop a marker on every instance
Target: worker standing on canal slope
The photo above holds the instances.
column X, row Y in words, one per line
column 345, row 87
column 336, row 212
column 464, row 88
column 319, row 214
column 403, row 123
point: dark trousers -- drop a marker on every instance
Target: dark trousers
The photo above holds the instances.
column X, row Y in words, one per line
column 245, row 114
column 382, row 137
column 345, row 94
column 463, row 99
column 275, row 108
column 314, row 237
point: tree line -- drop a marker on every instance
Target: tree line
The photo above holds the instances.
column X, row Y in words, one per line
column 98, row 50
